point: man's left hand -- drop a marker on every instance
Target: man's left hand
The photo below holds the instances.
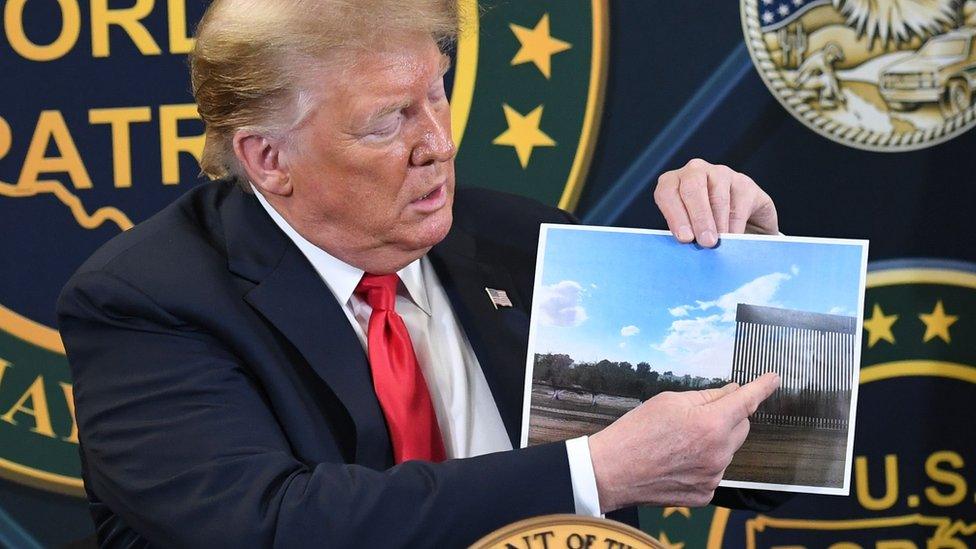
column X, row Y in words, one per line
column 701, row 200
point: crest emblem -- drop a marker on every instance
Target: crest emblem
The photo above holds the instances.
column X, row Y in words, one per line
column 880, row 75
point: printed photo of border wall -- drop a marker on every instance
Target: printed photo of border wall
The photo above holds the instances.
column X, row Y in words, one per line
column 620, row 315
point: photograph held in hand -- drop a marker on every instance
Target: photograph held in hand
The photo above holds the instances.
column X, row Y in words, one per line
column 630, row 323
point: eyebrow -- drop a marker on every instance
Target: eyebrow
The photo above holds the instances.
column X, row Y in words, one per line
column 388, row 110
column 445, row 65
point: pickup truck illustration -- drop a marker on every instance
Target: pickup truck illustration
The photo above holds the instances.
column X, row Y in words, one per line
column 942, row 71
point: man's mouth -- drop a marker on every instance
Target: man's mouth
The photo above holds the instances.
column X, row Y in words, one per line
column 426, row 196
column 432, row 194
column 433, row 200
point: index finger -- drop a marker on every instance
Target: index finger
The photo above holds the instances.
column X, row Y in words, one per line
column 693, row 191
column 711, row 395
column 741, row 403
column 668, row 201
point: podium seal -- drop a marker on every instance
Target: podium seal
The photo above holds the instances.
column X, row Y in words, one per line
column 567, row 531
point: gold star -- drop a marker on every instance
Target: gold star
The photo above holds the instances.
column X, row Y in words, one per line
column 538, row 46
column 523, row 133
column 879, row 327
column 684, row 511
column 668, row 544
column 937, row 323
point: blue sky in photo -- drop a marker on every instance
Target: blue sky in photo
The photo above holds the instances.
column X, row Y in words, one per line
column 643, row 297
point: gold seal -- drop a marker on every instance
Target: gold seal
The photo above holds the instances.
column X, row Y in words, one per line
column 878, row 75
column 567, row 531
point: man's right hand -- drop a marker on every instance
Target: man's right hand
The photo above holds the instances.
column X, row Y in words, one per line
column 674, row 448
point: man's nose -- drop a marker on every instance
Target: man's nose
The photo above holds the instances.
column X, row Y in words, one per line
column 435, row 143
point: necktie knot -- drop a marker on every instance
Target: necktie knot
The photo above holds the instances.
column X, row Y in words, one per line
column 379, row 291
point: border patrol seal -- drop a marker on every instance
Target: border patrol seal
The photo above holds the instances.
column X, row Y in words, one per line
column 526, row 99
column 879, row 75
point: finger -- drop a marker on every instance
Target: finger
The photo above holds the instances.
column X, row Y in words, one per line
column 759, row 212
column 711, row 395
column 742, row 403
column 743, row 195
column 669, row 202
column 739, row 433
column 719, row 189
column 693, row 189
column 764, row 219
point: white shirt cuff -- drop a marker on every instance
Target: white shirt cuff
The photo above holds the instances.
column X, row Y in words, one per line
column 585, row 494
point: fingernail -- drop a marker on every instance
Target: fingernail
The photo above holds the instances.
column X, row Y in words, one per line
column 685, row 234
column 708, row 239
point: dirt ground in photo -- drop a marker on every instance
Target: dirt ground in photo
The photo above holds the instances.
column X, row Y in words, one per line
column 572, row 415
column 791, row 455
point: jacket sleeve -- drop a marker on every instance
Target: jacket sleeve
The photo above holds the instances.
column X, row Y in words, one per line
column 179, row 441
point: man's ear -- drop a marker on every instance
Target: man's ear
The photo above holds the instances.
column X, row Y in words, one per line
column 260, row 157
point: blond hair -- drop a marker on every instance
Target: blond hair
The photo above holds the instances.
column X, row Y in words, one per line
column 250, row 66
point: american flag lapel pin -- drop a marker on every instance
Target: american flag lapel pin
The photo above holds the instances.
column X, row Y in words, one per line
column 499, row 298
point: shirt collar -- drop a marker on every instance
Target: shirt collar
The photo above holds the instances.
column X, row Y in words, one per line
column 412, row 277
column 341, row 277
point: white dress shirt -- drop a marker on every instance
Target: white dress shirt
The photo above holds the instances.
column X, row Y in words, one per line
column 466, row 412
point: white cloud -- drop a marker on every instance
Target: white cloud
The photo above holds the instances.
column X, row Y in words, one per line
column 838, row 310
column 761, row 291
column 628, row 331
column 622, row 345
column 795, row 270
column 688, row 335
column 702, row 345
column 699, row 346
column 681, row 310
column 560, row 304
column 594, row 286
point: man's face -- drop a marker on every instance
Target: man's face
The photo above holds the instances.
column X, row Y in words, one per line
column 373, row 166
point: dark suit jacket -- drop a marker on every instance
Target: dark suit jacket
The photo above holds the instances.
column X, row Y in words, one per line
column 223, row 399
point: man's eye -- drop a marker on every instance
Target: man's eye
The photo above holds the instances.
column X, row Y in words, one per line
column 388, row 128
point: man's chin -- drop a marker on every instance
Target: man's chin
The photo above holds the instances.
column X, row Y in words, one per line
column 420, row 232
column 434, row 229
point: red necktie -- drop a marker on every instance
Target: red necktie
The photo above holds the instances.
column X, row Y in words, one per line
column 399, row 383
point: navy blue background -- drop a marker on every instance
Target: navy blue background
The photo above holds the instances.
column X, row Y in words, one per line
column 915, row 204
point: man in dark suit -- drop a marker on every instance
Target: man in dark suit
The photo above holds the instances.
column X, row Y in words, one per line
column 240, row 377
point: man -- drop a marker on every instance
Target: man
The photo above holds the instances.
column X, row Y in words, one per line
column 308, row 356
column 818, row 77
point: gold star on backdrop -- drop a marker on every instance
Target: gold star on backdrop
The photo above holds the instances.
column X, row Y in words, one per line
column 523, row 133
column 879, row 327
column 668, row 544
column 683, row 511
column 538, row 46
column 937, row 323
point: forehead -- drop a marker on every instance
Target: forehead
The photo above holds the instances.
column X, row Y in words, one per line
column 397, row 68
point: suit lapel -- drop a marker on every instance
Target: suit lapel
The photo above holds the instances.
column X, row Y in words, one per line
column 498, row 336
column 292, row 297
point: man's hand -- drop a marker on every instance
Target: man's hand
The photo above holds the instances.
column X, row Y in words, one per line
column 701, row 200
column 674, row 448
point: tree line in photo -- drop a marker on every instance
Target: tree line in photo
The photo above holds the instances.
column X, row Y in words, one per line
column 605, row 377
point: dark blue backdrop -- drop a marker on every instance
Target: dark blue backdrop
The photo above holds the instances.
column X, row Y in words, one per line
column 680, row 85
